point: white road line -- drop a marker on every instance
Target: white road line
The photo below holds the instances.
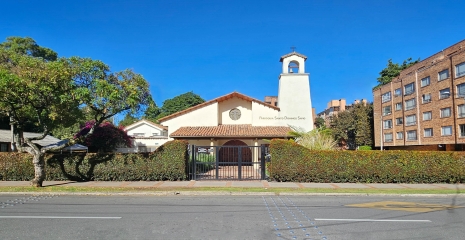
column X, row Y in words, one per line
column 370, row 220
column 57, row 217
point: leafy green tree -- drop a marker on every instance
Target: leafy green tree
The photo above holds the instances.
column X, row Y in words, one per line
column 179, row 103
column 53, row 94
column 393, row 70
column 152, row 111
column 128, row 120
column 354, row 126
column 27, row 46
column 319, row 122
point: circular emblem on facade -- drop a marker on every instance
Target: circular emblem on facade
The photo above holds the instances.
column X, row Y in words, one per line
column 235, row 114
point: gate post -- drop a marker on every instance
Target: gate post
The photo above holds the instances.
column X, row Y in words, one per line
column 239, row 163
column 217, row 161
column 193, row 163
column 262, row 162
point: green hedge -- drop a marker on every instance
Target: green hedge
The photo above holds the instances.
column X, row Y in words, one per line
column 168, row 162
column 292, row 162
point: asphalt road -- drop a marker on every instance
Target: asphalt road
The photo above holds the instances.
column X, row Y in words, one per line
column 231, row 217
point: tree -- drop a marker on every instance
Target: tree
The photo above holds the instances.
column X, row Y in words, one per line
column 128, row 120
column 393, row 70
column 106, row 137
column 152, row 111
column 179, row 103
column 27, row 46
column 316, row 139
column 319, row 122
column 53, row 94
column 354, row 126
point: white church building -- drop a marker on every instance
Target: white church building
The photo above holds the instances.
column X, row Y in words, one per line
column 237, row 119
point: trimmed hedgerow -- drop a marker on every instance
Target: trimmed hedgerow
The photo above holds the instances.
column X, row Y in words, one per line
column 292, row 162
column 168, row 162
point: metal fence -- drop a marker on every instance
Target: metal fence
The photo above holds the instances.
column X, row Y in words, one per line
column 227, row 162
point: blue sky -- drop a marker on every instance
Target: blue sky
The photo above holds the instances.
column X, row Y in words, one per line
column 216, row 47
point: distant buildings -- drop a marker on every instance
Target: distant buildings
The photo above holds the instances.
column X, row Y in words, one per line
column 424, row 107
column 336, row 106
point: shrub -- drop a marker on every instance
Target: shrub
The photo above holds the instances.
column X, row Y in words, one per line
column 363, row 148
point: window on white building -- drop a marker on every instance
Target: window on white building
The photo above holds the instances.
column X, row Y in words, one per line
column 444, row 74
column 446, row 131
column 425, row 81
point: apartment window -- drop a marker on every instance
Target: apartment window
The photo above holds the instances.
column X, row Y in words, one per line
column 460, row 69
column 445, row 112
column 462, row 130
column 427, row 116
column 138, row 134
column 397, row 92
column 412, row 135
column 444, row 74
column 398, row 106
column 461, row 111
column 444, row 93
column 386, row 110
column 399, row 135
column 387, row 124
column 410, row 104
column 461, row 90
column 155, row 134
column 410, row 120
column 409, row 89
column 386, row 97
column 426, row 98
column 428, row 132
column 446, row 131
column 399, row 121
column 388, row 137
column 425, row 82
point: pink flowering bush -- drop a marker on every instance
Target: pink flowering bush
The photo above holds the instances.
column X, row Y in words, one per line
column 106, row 137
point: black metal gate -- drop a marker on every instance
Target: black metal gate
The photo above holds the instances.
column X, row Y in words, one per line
column 227, row 162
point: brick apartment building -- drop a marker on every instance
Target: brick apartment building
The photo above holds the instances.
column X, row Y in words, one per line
column 334, row 107
column 424, row 107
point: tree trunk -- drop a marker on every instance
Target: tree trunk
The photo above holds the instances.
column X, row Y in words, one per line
column 39, row 169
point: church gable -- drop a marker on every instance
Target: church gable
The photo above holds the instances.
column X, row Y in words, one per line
column 235, row 111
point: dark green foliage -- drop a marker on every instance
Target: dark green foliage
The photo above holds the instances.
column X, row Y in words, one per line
column 168, row 162
column 27, row 46
column 355, row 125
column 179, row 103
column 319, row 122
column 128, row 120
column 292, row 162
column 393, row 70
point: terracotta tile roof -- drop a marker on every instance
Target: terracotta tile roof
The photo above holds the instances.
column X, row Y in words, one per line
column 244, row 130
column 292, row 53
column 219, row 99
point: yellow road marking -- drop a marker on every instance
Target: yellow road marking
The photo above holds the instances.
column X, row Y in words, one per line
column 405, row 206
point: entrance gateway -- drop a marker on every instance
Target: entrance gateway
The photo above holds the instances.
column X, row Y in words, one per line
column 232, row 161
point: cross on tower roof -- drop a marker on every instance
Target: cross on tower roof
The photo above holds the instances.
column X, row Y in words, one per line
column 293, row 48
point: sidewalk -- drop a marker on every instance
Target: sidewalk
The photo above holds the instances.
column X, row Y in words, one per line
column 238, row 184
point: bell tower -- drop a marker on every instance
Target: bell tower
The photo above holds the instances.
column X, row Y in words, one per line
column 294, row 98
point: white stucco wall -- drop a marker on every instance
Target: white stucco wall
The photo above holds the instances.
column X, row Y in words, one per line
column 244, row 106
column 148, row 130
column 265, row 116
column 295, row 58
column 205, row 116
column 294, row 100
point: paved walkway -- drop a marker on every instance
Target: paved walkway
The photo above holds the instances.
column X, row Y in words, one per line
column 239, row 184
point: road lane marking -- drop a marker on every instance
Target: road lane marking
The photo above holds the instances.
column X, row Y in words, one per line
column 369, row 220
column 56, row 217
